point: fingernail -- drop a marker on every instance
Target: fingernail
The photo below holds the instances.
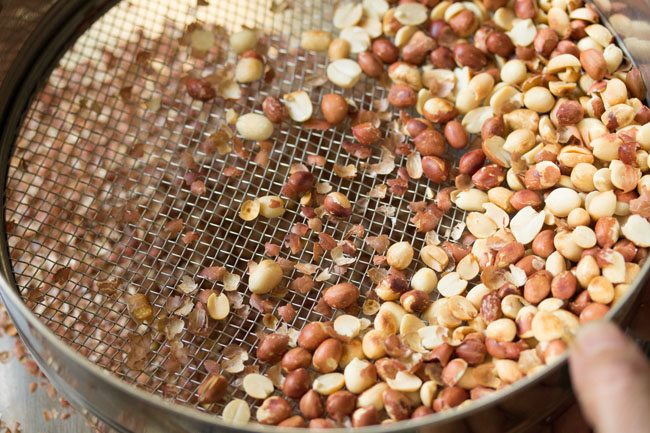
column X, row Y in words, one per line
column 597, row 337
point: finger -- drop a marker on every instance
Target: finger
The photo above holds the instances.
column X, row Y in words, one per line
column 611, row 378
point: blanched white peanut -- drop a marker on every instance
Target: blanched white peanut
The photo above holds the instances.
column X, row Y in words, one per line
column 526, row 224
column 520, row 141
column 511, row 304
column 425, row 280
column 603, row 179
column 582, row 177
column 599, row 34
column 373, row 344
column 411, row 14
column 357, row 37
column 480, row 225
column 546, row 326
column 601, row 290
column 434, row 257
column 253, row 126
column 468, row 267
column 508, row 370
column 471, row 200
column 257, row 386
column 451, row 285
column 347, row 14
column 347, row 326
column 643, row 136
column 359, row 375
column 601, row 204
column 373, row 396
column 218, row 306
column 565, row 244
column 388, row 319
column 539, row 99
column 428, row 392
column 514, row 72
column 624, row 176
column 555, row 263
column 501, row 330
column 606, row 147
column 375, row 8
column 432, row 336
column 613, row 57
column 248, row 70
column 344, row 73
column 236, row 412
column 584, row 237
column 405, row 382
column 298, row 105
column 561, row 201
column 476, row 294
column 637, row 229
column 271, row 206
column 243, row 40
column 523, row 32
column 265, row 277
column 614, row 270
column 328, row 383
column 315, row 40
column 410, row 323
column 400, row 255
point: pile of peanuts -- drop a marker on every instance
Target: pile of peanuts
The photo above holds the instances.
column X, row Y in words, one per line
column 555, row 140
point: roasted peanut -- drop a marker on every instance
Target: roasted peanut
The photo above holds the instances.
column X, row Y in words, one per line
column 298, row 184
column 327, row 356
column 273, row 411
column 430, row 143
column 312, row 335
column 370, row 63
column 274, row 110
column 450, row 397
column 340, row 404
column 401, row 96
column 365, row 416
column 385, row 50
column 334, row 108
column 296, row 383
column 272, row 347
column 456, row 135
column 337, row 205
column 397, row 405
column 311, row 405
column 538, row 287
column 366, row 133
column 415, row 301
column 471, row 161
column 296, row 358
column 341, row 295
column 435, row 168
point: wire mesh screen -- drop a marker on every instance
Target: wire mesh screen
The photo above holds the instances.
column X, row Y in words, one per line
column 97, row 175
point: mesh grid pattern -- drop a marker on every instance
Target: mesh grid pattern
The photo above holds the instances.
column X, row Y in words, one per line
column 76, row 169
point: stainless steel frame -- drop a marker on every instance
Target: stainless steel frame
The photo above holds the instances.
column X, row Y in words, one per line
column 124, row 407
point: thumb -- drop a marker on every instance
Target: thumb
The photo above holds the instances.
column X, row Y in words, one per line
column 611, row 377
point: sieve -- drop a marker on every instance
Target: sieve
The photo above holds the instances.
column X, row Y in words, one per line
column 95, row 120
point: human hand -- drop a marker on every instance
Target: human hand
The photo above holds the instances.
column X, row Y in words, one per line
column 611, row 379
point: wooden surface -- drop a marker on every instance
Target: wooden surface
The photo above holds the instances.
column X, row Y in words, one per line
column 18, row 404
